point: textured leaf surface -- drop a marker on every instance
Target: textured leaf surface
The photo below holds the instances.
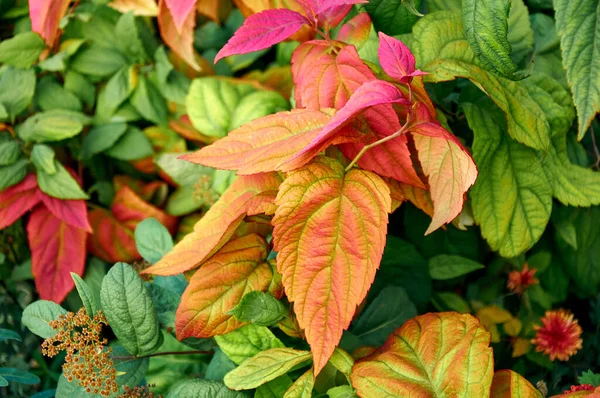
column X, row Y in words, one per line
column 263, row 30
column 392, row 16
column 237, row 268
column 302, row 387
column 88, row 298
column 181, row 40
column 578, row 26
column 57, row 249
column 37, row 315
column 347, row 215
column 247, row 195
column 441, row 354
column 509, row 384
column 265, row 366
column 198, row 388
column 129, row 310
column 259, row 308
column 247, row 341
column 396, row 59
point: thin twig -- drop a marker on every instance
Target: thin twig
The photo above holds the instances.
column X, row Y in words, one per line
column 595, row 146
column 158, row 354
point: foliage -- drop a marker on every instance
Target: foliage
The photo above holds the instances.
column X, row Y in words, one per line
column 299, row 198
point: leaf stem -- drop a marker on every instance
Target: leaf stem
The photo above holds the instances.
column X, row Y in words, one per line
column 596, row 152
column 158, row 354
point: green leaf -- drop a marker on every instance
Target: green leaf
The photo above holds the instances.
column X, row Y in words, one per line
column 275, row 388
column 391, row 16
column 342, row 361
column 259, row 308
column 19, row 376
column 6, row 334
column 302, row 387
column 149, row 102
column 247, row 341
column 42, row 157
column 97, row 61
column 131, row 146
column 443, row 5
column 129, row 310
column 486, row 29
column 101, row 138
column 38, row 314
column 128, row 38
column 578, row 26
column 54, row 125
column 22, row 50
column 255, row 105
column 17, row 87
column 10, row 152
column 512, row 198
column 342, row 392
column 390, row 309
column 264, row 367
column 60, row 184
column 165, row 302
column 589, row 377
column 55, row 63
column 117, row 90
column 448, row 266
column 50, row 95
column 87, row 296
column 219, row 366
column 198, row 388
column 13, row 174
column 78, row 85
column 181, row 171
column 448, row 301
column 3, row 382
column 520, row 33
column 3, row 112
column 152, row 240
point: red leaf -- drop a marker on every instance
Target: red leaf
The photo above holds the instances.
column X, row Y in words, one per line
column 45, row 17
column 328, row 4
column 396, row 59
column 111, row 240
column 356, row 31
column 263, row 30
column 129, row 209
column 180, row 41
column 57, row 249
column 18, row 200
column 72, row 212
column 180, row 11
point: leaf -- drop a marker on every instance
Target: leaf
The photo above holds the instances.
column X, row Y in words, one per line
column 17, row 87
column 117, row 90
column 18, row 200
column 180, row 11
column 388, row 311
column 237, row 268
column 511, row 225
column 396, row 59
column 38, row 314
column 326, row 281
column 589, row 377
column 97, row 61
column 343, row 391
column 180, row 41
column 248, row 195
column 508, row 384
column 263, row 30
column 578, row 26
column 71, row 212
column 259, row 308
column 22, row 50
column 264, row 367
column 152, row 240
column 486, row 29
column 45, row 17
column 87, row 296
column 198, row 388
column 61, row 184
column 129, row 39
column 302, row 387
column 274, row 388
column 129, row 310
column 445, row 266
column 10, row 152
column 54, row 125
column 6, row 334
column 19, row 376
column 50, row 95
column 13, row 174
column 247, row 341
column 147, row 8
column 392, row 16
column 101, row 138
column 436, row 354
column 42, row 157
column 356, row 30
column 148, row 101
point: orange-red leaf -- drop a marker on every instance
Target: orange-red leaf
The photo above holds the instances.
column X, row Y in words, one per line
column 237, row 268
column 18, row 200
column 247, row 195
column 129, row 209
column 72, row 212
column 329, row 232
column 509, row 384
column 433, row 355
column 57, row 249
column 182, row 43
column 45, row 17
column 417, row 196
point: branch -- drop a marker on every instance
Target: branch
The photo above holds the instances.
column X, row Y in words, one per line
column 158, row 354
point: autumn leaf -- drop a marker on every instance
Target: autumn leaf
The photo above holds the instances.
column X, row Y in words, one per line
column 437, row 354
column 329, row 232
column 181, row 41
column 509, row 384
column 17, row 200
column 209, row 8
column 417, row 196
column 396, row 59
column 71, row 212
column 218, row 286
column 180, row 11
column 356, row 30
column 247, row 195
column 57, row 249
column 145, row 8
column 45, row 17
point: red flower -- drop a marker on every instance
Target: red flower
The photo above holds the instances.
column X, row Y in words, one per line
column 518, row 281
column 560, row 335
column 583, row 387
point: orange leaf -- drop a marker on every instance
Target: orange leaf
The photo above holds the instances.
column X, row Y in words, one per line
column 111, row 240
column 181, row 44
column 18, row 200
column 329, row 231
column 45, row 17
column 209, row 8
column 433, row 355
column 129, row 209
column 57, row 249
column 509, row 384
column 145, row 8
column 237, row 268
column 417, row 196
column 247, row 195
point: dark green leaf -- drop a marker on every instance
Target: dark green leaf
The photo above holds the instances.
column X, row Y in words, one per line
column 128, row 38
column 97, row 61
column 19, row 376
column 6, row 334
column 37, row 315
column 391, row 16
column 589, row 377
column 152, row 240
column 78, row 85
column 219, row 366
column 50, row 95
column 166, row 303
column 259, row 308
column 198, row 388
column 17, row 87
column 55, row 125
column 87, row 296
column 117, row 90
column 148, row 101
column 101, row 138
column 447, row 266
column 131, row 146
column 10, row 152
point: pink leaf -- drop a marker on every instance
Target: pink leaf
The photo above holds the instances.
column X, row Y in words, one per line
column 18, row 200
column 181, row 42
column 263, row 30
column 45, row 17
column 376, row 92
column 325, row 5
column 330, row 17
column 57, row 249
column 71, row 212
column 180, row 10
column 396, row 59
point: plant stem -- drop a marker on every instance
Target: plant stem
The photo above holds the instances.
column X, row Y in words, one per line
column 596, row 152
column 158, row 354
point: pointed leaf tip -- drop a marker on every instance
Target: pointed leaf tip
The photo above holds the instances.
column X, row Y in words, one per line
column 396, row 59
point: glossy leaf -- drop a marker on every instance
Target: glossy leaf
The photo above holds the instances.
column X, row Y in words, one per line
column 509, row 384
column 396, row 59
column 356, row 30
column 45, row 17
column 327, row 281
column 433, row 354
